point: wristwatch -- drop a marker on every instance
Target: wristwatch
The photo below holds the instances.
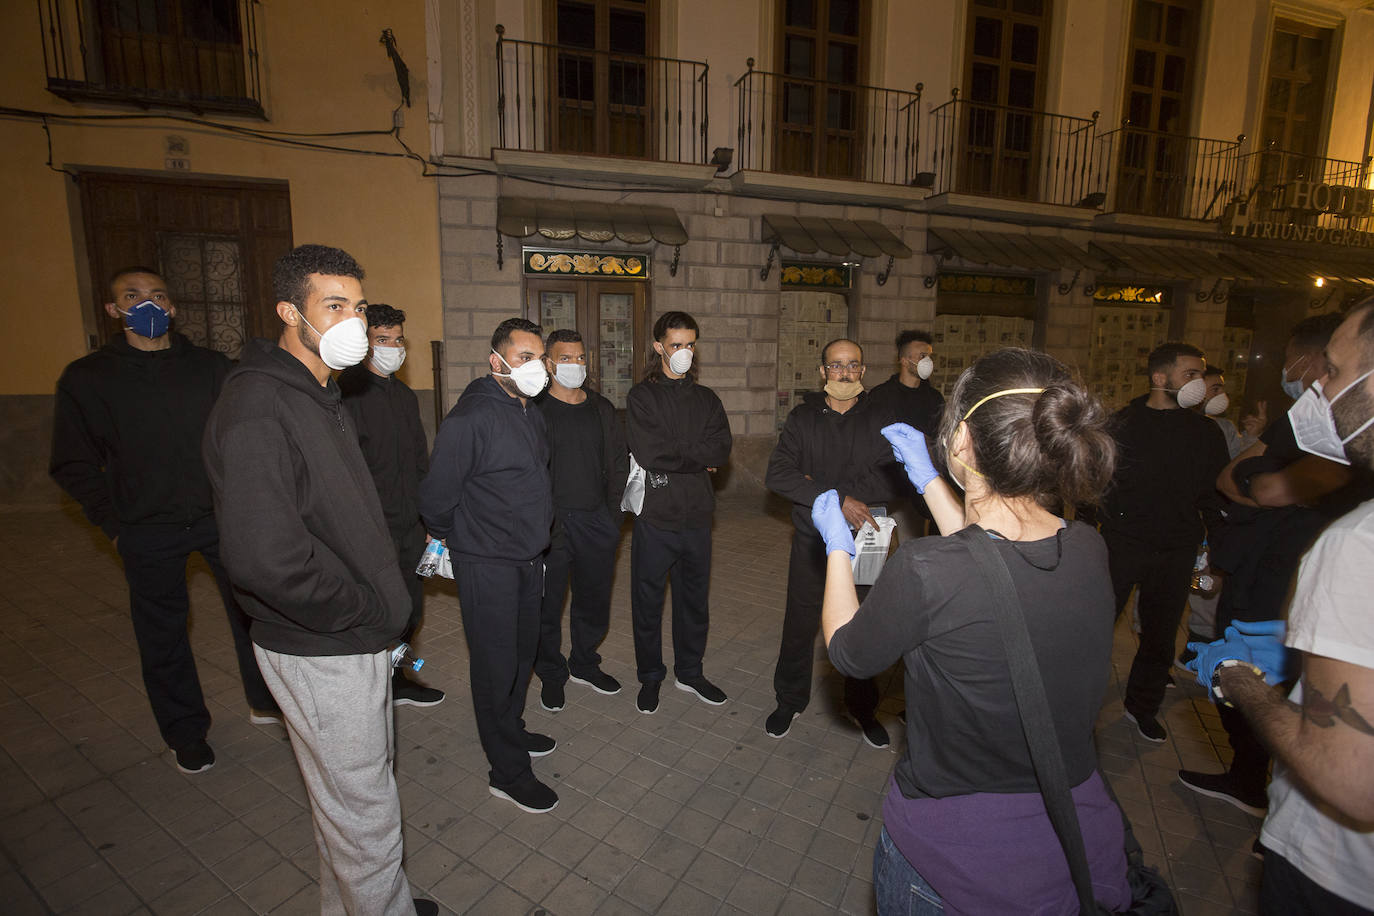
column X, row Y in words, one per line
column 1216, row 678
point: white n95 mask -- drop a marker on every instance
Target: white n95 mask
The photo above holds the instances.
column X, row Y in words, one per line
column 680, row 361
column 1314, row 427
column 388, row 359
column 1216, row 406
column 570, row 375
column 925, row 367
column 342, row 345
column 529, row 379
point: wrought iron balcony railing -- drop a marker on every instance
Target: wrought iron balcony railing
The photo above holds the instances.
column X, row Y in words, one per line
column 1153, row 173
column 802, row 126
column 564, row 99
column 1013, row 153
column 1286, row 187
column 195, row 54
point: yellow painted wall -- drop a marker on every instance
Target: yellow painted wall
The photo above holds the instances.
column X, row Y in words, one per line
column 323, row 70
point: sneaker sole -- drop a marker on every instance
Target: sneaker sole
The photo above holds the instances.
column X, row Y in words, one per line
column 783, row 733
column 421, row 703
column 1132, row 719
column 526, row 808
column 692, row 690
column 646, row 712
column 577, row 680
column 192, row 772
column 548, row 708
column 1229, row 799
column 255, row 719
column 864, row 734
column 543, row 753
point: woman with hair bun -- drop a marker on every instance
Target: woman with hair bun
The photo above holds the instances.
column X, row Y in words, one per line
column 965, row 827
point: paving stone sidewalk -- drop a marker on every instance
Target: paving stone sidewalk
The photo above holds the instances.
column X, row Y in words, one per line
column 694, row 810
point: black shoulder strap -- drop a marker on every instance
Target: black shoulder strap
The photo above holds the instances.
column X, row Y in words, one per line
column 1034, row 707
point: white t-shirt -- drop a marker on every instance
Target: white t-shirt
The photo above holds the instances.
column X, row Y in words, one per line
column 1332, row 615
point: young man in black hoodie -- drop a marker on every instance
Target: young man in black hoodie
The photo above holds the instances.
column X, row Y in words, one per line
column 126, row 446
column 909, row 397
column 386, row 417
column 589, row 466
column 831, row 440
column 307, row 546
column 679, row 434
column 488, row 496
column 1159, row 507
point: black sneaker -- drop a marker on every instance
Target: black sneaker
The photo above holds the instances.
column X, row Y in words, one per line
column 405, row 692
column 551, row 696
column 599, row 681
column 425, row 907
column 530, row 795
column 704, row 689
column 270, row 716
column 779, row 722
column 1222, row 786
column 874, row 733
column 539, row 745
column 648, row 698
column 1149, row 727
column 195, row 757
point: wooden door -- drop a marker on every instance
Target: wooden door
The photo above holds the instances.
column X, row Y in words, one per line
column 611, row 316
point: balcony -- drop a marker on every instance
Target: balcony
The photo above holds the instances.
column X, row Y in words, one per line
column 563, row 99
column 200, row 55
column 1282, row 186
column 798, row 126
column 1159, row 174
column 1012, row 153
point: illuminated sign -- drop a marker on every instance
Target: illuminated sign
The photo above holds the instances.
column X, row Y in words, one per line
column 1316, row 197
column 544, row 262
column 1150, row 295
column 806, row 273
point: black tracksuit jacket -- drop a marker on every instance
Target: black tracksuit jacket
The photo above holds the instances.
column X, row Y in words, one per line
column 1164, row 488
column 821, row 449
column 677, row 429
column 302, row 532
column 127, row 426
column 488, row 494
column 386, row 416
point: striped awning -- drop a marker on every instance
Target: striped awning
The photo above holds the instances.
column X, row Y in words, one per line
column 1302, row 269
column 591, row 221
column 1011, row 249
column 839, row 237
column 1163, row 262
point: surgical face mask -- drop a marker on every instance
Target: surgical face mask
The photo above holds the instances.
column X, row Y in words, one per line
column 1293, row 387
column 344, row 344
column 1191, row 394
column 147, row 319
column 680, row 361
column 570, row 375
column 1314, row 427
column 843, row 391
column 925, row 367
column 388, row 359
column 1216, row 406
column 529, row 379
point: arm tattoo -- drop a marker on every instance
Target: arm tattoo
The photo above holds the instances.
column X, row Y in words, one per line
column 1325, row 713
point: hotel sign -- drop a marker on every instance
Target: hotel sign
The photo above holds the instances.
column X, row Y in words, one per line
column 1307, row 197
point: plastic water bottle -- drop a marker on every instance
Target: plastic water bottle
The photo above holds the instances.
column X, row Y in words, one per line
column 403, row 659
column 429, row 560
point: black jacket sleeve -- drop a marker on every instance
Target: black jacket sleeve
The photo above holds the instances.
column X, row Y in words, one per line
column 1215, row 456
column 271, row 553
column 456, row 451
column 651, row 437
column 785, row 476
column 711, row 448
column 77, row 462
column 615, row 454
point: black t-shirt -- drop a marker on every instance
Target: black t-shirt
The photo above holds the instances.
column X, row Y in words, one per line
column 920, row 406
column 932, row 608
column 575, row 442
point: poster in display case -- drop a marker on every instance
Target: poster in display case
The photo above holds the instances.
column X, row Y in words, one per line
column 961, row 339
column 1122, row 338
column 807, row 321
column 616, row 349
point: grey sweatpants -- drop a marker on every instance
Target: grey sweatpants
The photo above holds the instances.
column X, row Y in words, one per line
column 337, row 710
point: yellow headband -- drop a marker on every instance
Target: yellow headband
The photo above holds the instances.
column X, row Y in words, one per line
column 998, row 394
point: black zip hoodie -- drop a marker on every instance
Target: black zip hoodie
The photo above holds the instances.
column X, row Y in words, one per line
column 821, row 449
column 127, row 425
column 488, row 494
column 301, row 528
column 676, row 430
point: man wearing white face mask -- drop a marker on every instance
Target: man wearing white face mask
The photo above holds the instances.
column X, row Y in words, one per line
column 589, row 466
column 386, row 417
column 488, row 496
column 1161, row 504
column 307, row 547
column 909, row 397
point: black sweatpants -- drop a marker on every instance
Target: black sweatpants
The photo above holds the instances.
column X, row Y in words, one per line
column 500, row 608
column 410, row 546
column 1163, row 575
column 1285, row 891
column 155, row 567
column 800, row 623
column 583, row 554
column 655, row 553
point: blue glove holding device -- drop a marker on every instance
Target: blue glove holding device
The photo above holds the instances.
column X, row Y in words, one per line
column 909, row 446
column 831, row 524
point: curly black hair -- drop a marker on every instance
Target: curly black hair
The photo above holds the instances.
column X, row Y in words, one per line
column 291, row 273
column 381, row 315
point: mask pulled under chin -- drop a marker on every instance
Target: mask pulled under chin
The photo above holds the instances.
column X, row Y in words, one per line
column 1314, row 426
column 844, row 391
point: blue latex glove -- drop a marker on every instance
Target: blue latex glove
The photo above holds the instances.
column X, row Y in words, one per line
column 1264, row 638
column 830, row 523
column 909, row 446
column 1211, row 654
